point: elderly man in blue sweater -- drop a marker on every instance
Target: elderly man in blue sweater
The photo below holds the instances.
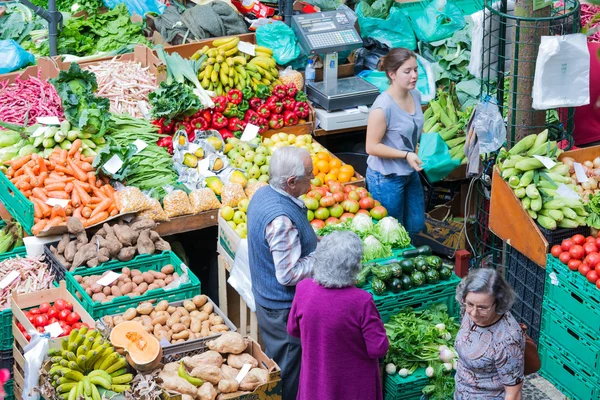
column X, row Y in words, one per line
column 281, row 243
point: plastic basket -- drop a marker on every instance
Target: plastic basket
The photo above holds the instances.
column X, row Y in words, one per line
column 97, row 310
column 574, row 338
column 566, row 373
column 9, row 390
column 19, row 251
column 397, row 388
column 16, row 203
column 558, row 235
column 572, row 278
column 468, row 7
column 7, row 360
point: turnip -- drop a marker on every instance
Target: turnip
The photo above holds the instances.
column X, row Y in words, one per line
column 430, row 372
column 390, row 369
column 454, row 364
column 443, row 347
column 448, row 336
column 403, row 372
column 446, row 355
column 448, row 366
column 441, row 327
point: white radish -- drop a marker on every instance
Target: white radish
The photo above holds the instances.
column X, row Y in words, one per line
column 430, row 372
column 403, row 372
column 390, row 369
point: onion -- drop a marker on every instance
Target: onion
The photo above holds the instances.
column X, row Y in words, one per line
column 578, row 189
column 588, row 164
column 596, row 162
column 596, row 172
column 586, row 185
column 568, row 161
column 443, row 347
column 390, row 369
column 430, row 372
column 593, row 183
column 448, row 336
column 403, row 372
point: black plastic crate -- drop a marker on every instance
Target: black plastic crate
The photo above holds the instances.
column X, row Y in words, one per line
column 7, row 360
column 558, row 235
column 527, row 279
column 57, row 268
column 440, row 192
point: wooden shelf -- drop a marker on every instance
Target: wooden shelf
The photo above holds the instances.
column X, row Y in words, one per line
column 188, row 223
column 322, row 132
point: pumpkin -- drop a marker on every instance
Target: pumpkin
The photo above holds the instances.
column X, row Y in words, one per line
column 142, row 350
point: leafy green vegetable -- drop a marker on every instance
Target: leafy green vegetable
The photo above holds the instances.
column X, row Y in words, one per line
column 72, row 6
column 170, row 100
column 593, row 210
column 390, row 232
column 373, row 249
column 376, row 9
column 18, row 21
column 362, row 225
column 342, row 226
column 82, row 108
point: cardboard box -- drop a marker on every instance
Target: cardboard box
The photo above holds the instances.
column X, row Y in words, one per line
column 44, row 69
column 443, row 234
column 228, row 241
column 188, row 50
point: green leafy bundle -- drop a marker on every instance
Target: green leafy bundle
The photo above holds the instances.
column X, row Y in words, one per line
column 72, row 6
column 82, row 108
column 376, row 8
column 18, row 21
column 173, row 99
column 593, row 210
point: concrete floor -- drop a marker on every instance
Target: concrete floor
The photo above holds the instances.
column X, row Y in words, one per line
column 538, row 388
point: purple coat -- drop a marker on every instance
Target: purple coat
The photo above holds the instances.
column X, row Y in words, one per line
column 342, row 339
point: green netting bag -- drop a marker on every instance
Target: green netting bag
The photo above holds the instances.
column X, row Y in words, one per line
column 393, row 31
column 435, row 155
column 439, row 20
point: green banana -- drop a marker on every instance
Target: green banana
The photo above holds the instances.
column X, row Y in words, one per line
column 126, row 378
column 119, row 372
column 183, row 374
column 100, row 381
column 116, row 366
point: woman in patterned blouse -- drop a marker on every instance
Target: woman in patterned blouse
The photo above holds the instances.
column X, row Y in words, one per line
column 490, row 342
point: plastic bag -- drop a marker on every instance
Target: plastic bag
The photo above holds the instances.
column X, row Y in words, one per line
column 203, row 199
column 139, row 7
column 253, row 187
column 14, row 57
column 131, row 199
column 35, row 352
column 326, row 5
column 394, row 31
column 488, row 124
column 232, row 194
column 435, row 155
column 289, row 75
column 439, row 20
column 562, row 72
column 476, row 44
column 240, row 275
column 281, row 38
column 177, row 203
column 155, row 212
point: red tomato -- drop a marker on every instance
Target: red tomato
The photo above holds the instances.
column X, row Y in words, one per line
column 30, row 317
column 564, row 257
column 52, row 320
column 578, row 239
column 40, row 320
column 574, row 265
column 567, row 244
column 577, row 252
column 592, row 259
column 68, row 305
column 597, row 269
column 59, row 304
column 63, row 315
column 34, row 311
column 598, row 242
column 584, row 269
column 66, row 330
column 590, row 239
column 73, row 318
column 76, row 325
column 44, row 307
column 556, row 250
column 52, row 313
column 592, row 276
column 598, row 283
column 21, row 327
column 590, row 248
column 27, row 337
column 41, row 329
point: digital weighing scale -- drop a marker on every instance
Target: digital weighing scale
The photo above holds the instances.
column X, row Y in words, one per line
column 329, row 33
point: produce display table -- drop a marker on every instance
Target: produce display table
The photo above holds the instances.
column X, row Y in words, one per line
column 188, row 223
column 323, row 132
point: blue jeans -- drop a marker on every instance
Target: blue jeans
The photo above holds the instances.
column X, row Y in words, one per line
column 402, row 196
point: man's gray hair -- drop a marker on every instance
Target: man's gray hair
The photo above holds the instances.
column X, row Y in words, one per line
column 487, row 281
column 337, row 259
column 287, row 162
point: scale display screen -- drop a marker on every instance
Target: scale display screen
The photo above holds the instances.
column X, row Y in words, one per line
column 325, row 32
column 318, row 26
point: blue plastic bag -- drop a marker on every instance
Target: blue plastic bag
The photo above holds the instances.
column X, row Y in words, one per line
column 439, row 20
column 14, row 57
column 281, row 39
column 394, row 31
column 139, row 7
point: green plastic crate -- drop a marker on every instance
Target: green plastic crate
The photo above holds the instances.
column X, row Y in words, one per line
column 572, row 278
column 468, row 7
column 413, row 9
column 566, row 373
column 574, row 338
column 19, row 251
column 410, row 388
column 573, row 300
column 120, row 304
column 6, row 335
column 16, row 203
column 9, row 390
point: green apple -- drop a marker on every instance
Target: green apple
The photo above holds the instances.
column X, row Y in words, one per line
column 249, row 155
column 251, row 181
column 232, row 224
column 264, row 170
column 243, row 205
column 254, row 172
column 233, row 154
column 310, row 215
column 243, row 148
column 247, row 165
column 263, row 178
column 227, row 213
column 262, row 150
column 268, row 160
column 242, row 232
column 239, row 161
column 239, row 217
column 267, row 142
column 260, row 159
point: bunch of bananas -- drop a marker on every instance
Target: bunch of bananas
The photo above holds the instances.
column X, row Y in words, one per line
column 227, row 68
column 86, row 361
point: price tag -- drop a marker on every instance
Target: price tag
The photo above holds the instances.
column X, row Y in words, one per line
column 140, row 144
column 114, row 164
column 203, row 167
column 548, row 163
column 48, row 120
column 57, row 202
column 243, row 372
column 581, row 176
column 8, row 279
column 39, row 131
column 247, row 48
column 55, row 330
column 250, row 133
column 108, row 278
column 564, row 191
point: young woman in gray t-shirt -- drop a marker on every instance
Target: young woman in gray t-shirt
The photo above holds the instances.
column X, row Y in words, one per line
column 393, row 130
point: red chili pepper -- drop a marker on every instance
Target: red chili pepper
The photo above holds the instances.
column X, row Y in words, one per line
column 219, row 121
column 252, row 117
column 289, row 118
column 289, row 103
column 263, row 111
column 235, row 124
column 280, row 91
column 291, row 89
column 276, row 121
column 301, row 109
column 225, row 133
column 166, row 142
column 274, row 105
column 255, row 103
column 263, row 125
column 235, row 96
column 220, row 103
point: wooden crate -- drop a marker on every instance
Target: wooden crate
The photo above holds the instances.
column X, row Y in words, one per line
column 187, row 50
column 306, row 128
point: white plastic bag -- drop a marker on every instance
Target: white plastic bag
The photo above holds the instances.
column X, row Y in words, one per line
column 488, row 124
column 562, row 72
column 35, row 352
column 239, row 277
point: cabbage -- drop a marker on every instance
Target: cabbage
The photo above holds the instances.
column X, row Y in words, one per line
column 390, row 232
column 373, row 248
column 362, row 224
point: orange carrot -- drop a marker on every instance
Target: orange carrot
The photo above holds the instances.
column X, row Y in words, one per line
column 27, row 193
column 76, row 145
column 37, row 211
column 87, row 159
column 86, row 167
column 64, row 170
column 57, row 211
column 103, row 206
column 85, row 186
column 59, row 194
column 77, row 212
column 23, row 185
column 86, row 212
column 42, row 165
column 64, row 154
column 37, row 228
column 99, row 193
column 40, row 194
column 68, row 211
column 44, row 208
column 75, row 201
column 77, row 172
column 97, row 218
column 83, row 196
column 114, row 212
column 42, row 178
column 19, row 172
column 55, row 222
column 91, row 178
column 69, row 187
column 56, row 186
column 19, row 162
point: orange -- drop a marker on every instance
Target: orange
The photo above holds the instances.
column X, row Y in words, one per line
column 322, row 165
column 331, row 177
column 353, row 179
column 344, row 177
column 321, row 176
column 335, row 163
column 334, row 171
column 323, row 155
column 349, row 169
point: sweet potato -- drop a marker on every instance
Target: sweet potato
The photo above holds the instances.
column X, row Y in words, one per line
column 207, row 358
column 144, row 243
column 208, row 373
column 70, row 251
column 85, row 253
column 103, row 255
column 228, row 342
column 64, row 241
column 207, row 392
column 143, row 224
column 238, row 360
column 93, row 262
column 75, row 226
column 254, row 379
column 126, row 235
column 228, row 385
column 172, row 381
column 162, row 245
column 126, row 253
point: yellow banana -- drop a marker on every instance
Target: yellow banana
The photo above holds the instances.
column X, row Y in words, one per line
column 230, row 62
column 226, row 40
column 120, row 388
column 240, row 70
column 125, row 378
column 87, row 386
column 108, row 361
column 263, row 49
column 231, row 83
column 95, row 393
column 101, row 373
column 205, row 82
column 220, row 59
column 239, row 60
column 214, row 77
column 231, row 52
column 66, row 387
column 217, row 67
column 75, row 375
column 73, row 393
column 210, row 61
column 265, row 81
column 212, row 53
column 232, row 73
column 100, row 381
column 225, row 67
column 122, row 363
column 224, row 77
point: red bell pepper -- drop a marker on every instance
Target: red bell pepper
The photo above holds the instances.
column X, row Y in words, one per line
column 263, row 125
column 291, row 89
column 235, row 124
column 302, row 110
column 169, row 128
column 263, row 111
column 289, row 118
column 207, row 115
column 274, row 105
column 225, row 133
column 255, row 103
column 191, row 136
column 289, row 103
column 276, row 121
column 166, row 142
column 252, row 117
column 220, row 103
column 199, row 123
column 280, row 91
column 235, row 96
column 219, row 121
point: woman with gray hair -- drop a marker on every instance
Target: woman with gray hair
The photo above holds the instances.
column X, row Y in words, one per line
column 490, row 343
column 339, row 327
